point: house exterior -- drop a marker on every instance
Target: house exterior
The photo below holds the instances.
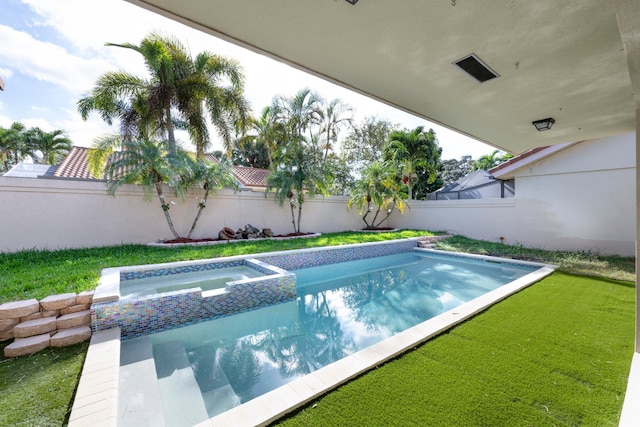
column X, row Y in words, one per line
column 577, row 196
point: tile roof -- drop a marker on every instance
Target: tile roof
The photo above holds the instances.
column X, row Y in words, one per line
column 251, row 177
column 75, row 166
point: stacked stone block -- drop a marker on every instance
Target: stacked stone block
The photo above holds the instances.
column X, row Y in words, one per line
column 56, row 321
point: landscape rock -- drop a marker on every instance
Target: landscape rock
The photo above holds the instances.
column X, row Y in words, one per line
column 51, row 313
column 6, row 335
column 71, row 336
column 267, row 232
column 33, row 316
column 35, row 327
column 6, row 324
column 74, row 309
column 57, row 302
column 71, row 320
column 25, row 346
column 250, row 229
column 85, row 297
column 17, row 309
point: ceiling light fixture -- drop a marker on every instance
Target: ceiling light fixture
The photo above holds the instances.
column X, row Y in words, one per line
column 353, row 2
column 543, row 124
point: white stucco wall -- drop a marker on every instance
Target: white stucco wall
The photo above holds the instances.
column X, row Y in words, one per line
column 580, row 198
column 52, row 214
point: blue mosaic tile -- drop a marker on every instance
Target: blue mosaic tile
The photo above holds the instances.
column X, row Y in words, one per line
column 156, row 313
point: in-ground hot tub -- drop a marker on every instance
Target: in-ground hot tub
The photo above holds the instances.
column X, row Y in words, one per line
column 207, row 280
column 145, row 299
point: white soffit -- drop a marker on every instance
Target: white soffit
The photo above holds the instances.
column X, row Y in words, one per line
column 554, row 59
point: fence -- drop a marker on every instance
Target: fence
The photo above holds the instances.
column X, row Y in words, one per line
column 52, row 214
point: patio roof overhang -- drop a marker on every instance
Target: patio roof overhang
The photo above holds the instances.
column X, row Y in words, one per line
column 578, row 62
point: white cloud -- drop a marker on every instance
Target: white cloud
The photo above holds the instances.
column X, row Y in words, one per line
column 43, row 109
column 48, row 62
column 87, row 25
column 6, row 72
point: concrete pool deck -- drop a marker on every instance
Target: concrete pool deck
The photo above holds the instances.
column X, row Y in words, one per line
column 96, row 401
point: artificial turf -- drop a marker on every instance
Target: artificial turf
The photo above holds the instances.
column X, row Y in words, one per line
column 556, row 354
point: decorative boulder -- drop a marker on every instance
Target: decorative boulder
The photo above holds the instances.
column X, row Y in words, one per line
column 251, row 229
column 267, row 232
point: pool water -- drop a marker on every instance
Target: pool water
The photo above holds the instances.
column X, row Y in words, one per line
column 341, row 309
column 205, row 280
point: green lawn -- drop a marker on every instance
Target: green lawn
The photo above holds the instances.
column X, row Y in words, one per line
column 557, row 353
column 37, row 274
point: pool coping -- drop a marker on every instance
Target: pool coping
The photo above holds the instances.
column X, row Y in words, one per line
column 96, row 400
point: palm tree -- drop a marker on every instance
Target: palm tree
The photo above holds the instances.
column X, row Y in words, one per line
column 268, row 132
column 335, row 115
column 147, row 163
column 298, row 173
column 379, row 190
column 300, row 112
column 210, row 176
column 215, row 84
column 492, row 160
column 13, row 145
column 410, row 149
column 178, row 92
column 51, row 146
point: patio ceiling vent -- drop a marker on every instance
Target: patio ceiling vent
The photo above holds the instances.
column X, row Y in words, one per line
column 477, row 69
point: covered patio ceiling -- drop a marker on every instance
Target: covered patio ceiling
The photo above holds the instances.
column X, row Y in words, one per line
column 571, row 61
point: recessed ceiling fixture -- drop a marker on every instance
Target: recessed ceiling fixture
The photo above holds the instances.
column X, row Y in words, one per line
column 477, row 69
column 352, row 1
column 543, row 124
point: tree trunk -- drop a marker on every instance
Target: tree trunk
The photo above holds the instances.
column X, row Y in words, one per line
column 293, row 216
column 299, row 215
column 165, row 209
column 383, row 219
column 170, row 135
column 201, row 206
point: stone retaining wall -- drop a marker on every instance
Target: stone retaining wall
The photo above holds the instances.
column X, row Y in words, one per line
column 56, row 321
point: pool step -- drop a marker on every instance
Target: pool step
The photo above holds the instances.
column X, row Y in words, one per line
column 217, row 393
column 139, row 401
column 181, row 397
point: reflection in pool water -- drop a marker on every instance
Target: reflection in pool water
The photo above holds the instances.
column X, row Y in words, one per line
column 341, row 309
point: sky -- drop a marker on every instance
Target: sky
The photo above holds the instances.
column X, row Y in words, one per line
column 52, row 52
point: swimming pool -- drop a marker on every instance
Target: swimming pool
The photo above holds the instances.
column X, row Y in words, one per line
column 203, row 370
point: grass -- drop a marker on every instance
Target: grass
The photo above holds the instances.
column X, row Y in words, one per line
column 37, row 390
column 580, row 263
column 557, row 353
column 37, row 274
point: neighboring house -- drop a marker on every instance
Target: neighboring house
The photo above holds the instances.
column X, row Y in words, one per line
column 491, row 184
column 251, row 178
column 573, row 196
column 478, row 184
column 75, row 166
column 30, row 170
